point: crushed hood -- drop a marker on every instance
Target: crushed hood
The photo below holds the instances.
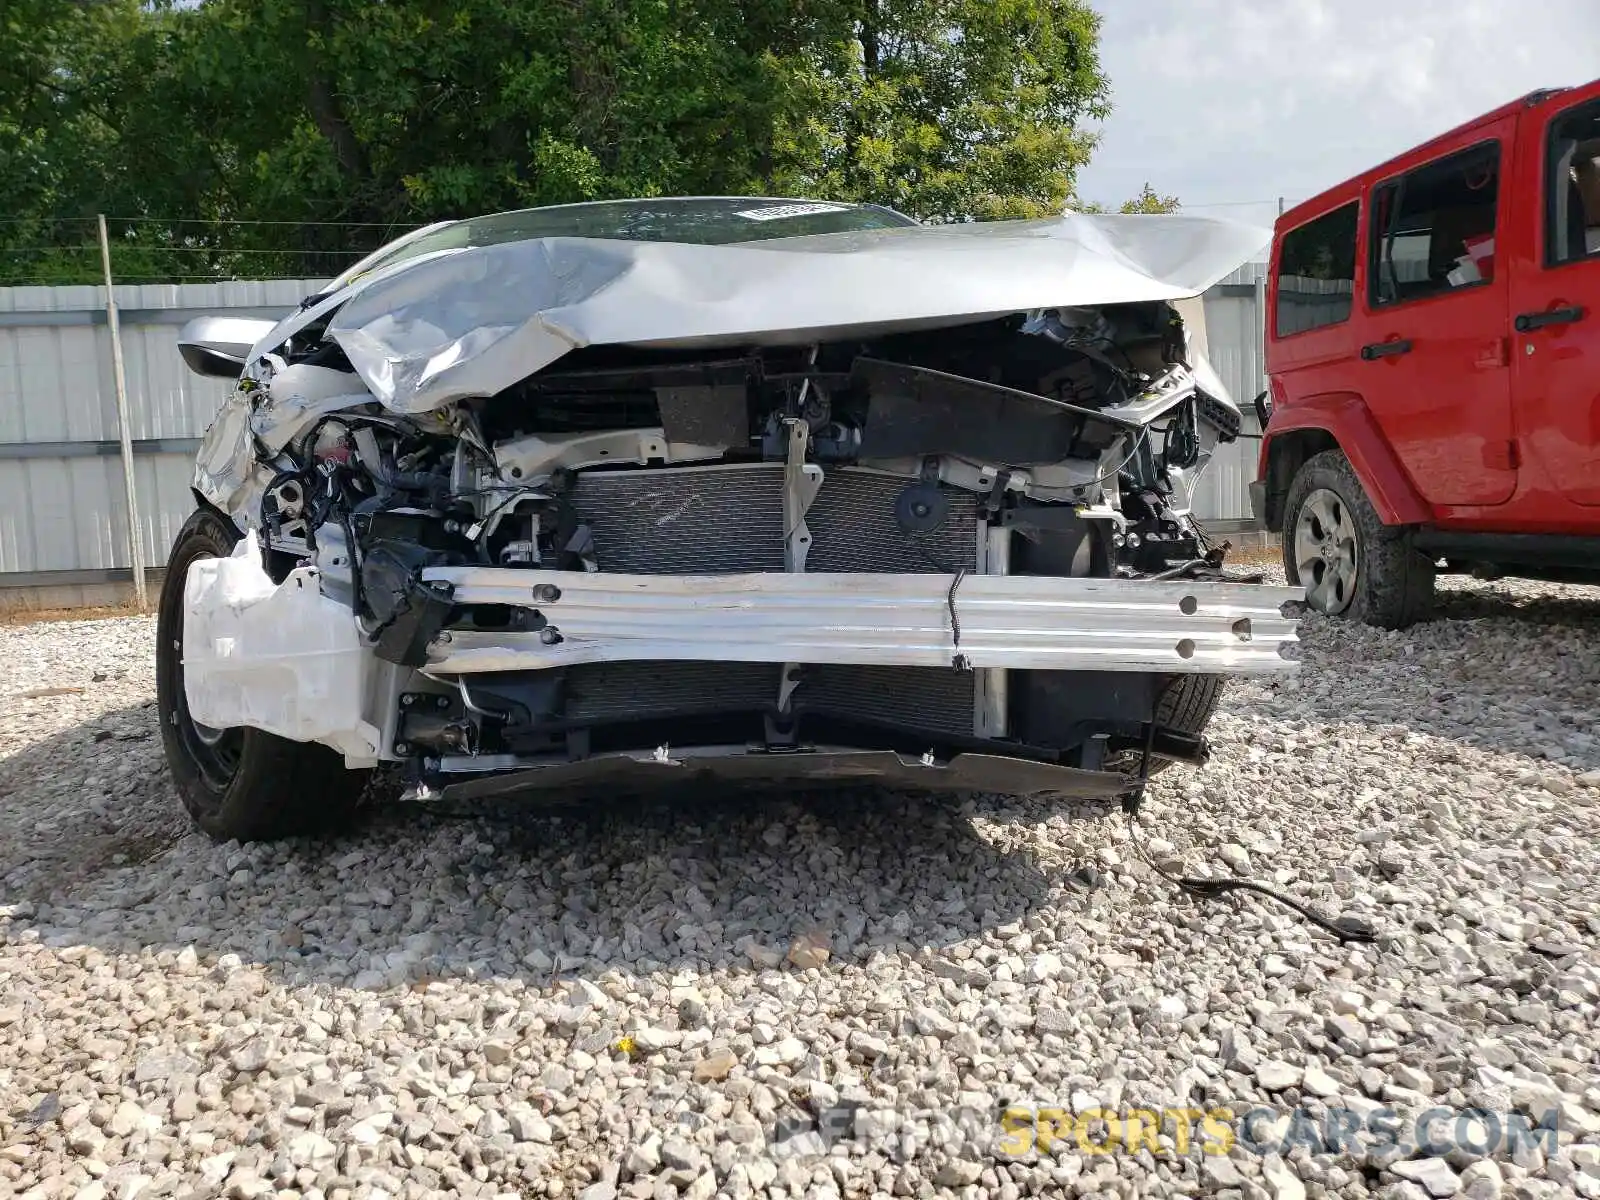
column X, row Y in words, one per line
column 472, row 322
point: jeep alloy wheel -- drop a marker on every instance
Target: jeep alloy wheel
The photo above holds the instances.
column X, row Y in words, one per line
column 1326, row 551
column 1348, row 561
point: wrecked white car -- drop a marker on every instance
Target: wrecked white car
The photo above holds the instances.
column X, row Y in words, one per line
column 640, row 491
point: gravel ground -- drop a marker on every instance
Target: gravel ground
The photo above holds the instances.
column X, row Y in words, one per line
column 645, row 1003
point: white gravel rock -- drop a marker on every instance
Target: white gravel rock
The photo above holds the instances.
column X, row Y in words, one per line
column 1278, row 1076
column 1282, row 1182
column 602, row 1004
column 1432, row 1174
column 1483, row 1180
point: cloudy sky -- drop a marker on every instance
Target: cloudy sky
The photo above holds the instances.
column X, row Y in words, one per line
column 1222, row 101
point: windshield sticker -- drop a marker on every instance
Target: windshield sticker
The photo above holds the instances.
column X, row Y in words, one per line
column 777, row 212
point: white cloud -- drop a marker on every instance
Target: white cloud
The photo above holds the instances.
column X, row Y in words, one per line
column 1220, row 101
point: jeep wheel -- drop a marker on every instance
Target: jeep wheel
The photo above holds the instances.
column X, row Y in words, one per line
column 237, row 784
column 1348, row 561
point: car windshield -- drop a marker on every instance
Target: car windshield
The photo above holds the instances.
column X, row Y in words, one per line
column 705, row 221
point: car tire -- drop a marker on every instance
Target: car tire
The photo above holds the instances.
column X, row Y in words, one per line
column 1184, row 704
column 1350, row 563
column 1188, row 702
column 237, row 784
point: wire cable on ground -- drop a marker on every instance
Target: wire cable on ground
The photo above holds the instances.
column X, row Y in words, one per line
column 1347, row 928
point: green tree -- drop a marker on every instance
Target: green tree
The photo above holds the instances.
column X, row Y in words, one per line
column 247, row 137
column 1149, row 201
column 946, row 110
column 98, row 114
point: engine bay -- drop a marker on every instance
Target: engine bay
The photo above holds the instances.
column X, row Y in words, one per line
column 1093, row 410
column 961, row 459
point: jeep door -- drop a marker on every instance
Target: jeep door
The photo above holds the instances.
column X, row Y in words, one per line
column 1555, row 292
column 1434, row 333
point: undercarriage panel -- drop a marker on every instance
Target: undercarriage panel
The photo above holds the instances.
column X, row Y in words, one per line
column 667, row 767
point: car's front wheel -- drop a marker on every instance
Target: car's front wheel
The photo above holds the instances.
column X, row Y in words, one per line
column 1348, row 561
column 237, row 784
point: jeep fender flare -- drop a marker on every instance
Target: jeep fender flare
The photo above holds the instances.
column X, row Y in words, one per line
column 1336, row 421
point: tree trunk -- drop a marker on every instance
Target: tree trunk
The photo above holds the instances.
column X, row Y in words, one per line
column 870, row 51
column 323, row 102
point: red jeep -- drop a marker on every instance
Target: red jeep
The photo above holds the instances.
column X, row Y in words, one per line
column 1433, row 356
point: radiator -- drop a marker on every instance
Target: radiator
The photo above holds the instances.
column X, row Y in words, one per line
column 853, row 528
column 637, row 691
column 685, row 520
column 723, row 519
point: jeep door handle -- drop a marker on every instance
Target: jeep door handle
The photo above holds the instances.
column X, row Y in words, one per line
column 1528, row 322
column 1386, row 349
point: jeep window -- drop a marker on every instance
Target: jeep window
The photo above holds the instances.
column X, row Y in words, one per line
column 1573, row 214
column 1317, row 272
column 1433, row 228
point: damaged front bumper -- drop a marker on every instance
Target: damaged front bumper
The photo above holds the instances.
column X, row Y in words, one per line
column 292, row 661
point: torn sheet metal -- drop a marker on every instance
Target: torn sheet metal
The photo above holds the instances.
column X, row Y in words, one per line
column 230, row 471
column 225, row 470
column 296, row 397
column 459, row 323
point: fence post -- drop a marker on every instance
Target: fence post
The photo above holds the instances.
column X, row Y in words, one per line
column 124, row 430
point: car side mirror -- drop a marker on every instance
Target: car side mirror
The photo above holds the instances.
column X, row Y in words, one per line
column 1263, row 407
column 218, row 347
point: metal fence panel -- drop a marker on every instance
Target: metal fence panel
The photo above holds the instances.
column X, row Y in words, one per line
column 62, row 507
column 61, row 496
column 1233, row 336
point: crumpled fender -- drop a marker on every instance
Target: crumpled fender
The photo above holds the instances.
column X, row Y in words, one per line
column 1345, row 417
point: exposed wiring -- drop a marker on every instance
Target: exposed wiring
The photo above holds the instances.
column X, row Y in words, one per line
column 960, row 661
column 1174, row 572
column 1138, row 441
column 482, row 523
column 1347, row 928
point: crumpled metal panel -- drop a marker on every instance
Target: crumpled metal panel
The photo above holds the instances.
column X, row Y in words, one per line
column 224, row 467
column 459, row 323
column 1017, row 621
